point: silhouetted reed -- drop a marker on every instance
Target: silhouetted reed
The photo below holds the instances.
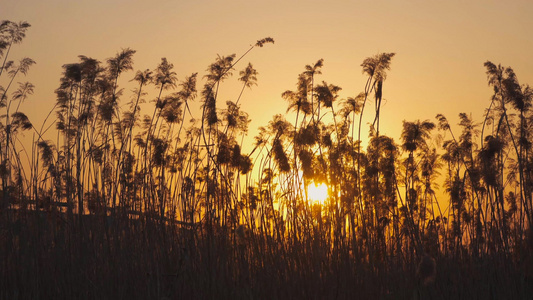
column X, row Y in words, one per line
column 126, row 205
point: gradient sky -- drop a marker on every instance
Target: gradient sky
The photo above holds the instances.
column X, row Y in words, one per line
column 441, row 47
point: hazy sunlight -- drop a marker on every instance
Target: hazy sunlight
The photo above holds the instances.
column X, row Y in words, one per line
column 317, row 193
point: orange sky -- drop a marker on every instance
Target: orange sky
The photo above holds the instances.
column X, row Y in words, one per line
column 441, row 47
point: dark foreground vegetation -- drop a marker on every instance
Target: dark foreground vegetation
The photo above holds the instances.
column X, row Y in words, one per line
column 115, row 204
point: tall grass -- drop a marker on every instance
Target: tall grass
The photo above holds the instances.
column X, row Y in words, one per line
column 125, row 205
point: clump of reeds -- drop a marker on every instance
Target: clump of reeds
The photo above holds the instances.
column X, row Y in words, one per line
column 166, row 209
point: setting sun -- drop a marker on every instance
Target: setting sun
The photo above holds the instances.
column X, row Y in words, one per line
column 317, row 193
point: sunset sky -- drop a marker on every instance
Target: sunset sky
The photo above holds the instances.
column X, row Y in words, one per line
column 440, row 47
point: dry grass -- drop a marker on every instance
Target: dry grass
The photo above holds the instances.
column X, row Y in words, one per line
column 43, row 257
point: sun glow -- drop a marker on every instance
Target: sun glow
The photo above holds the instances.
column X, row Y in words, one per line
column 317, row 193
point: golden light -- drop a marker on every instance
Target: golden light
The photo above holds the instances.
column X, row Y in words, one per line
column 317, row 193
